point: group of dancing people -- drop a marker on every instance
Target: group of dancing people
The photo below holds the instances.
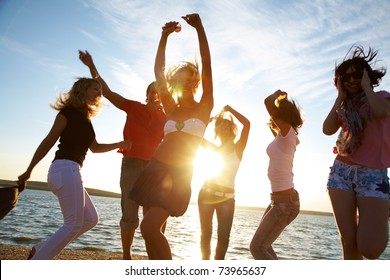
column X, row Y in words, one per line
column 162, row 137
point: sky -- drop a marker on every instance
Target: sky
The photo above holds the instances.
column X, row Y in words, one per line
column 257, row 47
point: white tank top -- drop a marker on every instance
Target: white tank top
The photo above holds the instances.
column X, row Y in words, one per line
column 281, row 156
column 228, row 172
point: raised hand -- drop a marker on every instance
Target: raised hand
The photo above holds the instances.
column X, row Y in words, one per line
column 193, row 20
column 86, row 58
column 170, row 27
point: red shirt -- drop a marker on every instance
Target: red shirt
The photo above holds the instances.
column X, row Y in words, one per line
column 143, row 128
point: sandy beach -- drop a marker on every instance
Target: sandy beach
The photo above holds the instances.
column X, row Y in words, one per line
column 11, row 252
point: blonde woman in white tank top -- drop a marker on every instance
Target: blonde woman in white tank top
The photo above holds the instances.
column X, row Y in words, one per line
column 217, row 193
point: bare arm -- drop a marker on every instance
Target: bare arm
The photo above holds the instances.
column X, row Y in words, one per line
column 207, row 99
column 45, row 146
column 332, row 123
column 96, row 147
column 241, row 143
column 271, row 102
column 208, row 145
column 167, row 100
column 116, row 99
column 378, row 107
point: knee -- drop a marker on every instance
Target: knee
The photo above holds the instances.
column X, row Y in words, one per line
column 253, row 248
column 90, row 222
column 148, row 230
column 73, row 229
column 371, row 251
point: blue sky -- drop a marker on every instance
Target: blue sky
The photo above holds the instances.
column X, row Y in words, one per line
column 257, row 47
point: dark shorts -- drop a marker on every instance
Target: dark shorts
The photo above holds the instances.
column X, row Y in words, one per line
column 165, row 186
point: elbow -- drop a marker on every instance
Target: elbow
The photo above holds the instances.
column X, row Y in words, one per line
column 327, row 131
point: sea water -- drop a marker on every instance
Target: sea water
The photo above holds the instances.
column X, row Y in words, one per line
column 37, row 216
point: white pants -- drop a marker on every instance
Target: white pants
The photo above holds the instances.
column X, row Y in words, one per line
column 78, row 210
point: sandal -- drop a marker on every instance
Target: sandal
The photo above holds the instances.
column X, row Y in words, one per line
column 32, row 253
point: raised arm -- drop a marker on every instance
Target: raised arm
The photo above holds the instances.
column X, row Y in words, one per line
column 332, row 123
column 116, row 99
column 207, row 99
column 272, row 105
column 379, row 107
column 167, row 100
column 242, row 141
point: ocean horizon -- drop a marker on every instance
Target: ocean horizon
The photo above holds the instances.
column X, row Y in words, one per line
column 39, row 185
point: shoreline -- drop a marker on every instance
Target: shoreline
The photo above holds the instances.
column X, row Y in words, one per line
column 18, row 252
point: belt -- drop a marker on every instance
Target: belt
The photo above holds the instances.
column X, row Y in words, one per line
column 285, row 198
column 220, row 194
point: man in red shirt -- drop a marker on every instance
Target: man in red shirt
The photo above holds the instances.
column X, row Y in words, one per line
column 144, row 129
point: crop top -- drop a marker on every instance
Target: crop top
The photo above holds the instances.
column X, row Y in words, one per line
column 191, row 126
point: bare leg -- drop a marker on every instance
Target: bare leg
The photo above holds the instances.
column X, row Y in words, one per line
column 151, row 228
column 206, row 213
column 127, row 237
column 372, row 231
column 225, row 213
column 345, row 212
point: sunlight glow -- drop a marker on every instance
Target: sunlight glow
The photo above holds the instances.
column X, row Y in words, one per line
column 207, row 164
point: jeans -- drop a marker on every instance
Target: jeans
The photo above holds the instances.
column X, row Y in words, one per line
column 278, row 215
column 78, row 210
column 207, row 205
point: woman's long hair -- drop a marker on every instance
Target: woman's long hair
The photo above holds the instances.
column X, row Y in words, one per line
column 77, row 97
column 175, row 82
column 221, row 119
column 289, row 112
column 359, row 60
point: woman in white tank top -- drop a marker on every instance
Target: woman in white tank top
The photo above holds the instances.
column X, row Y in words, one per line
column 217, row 193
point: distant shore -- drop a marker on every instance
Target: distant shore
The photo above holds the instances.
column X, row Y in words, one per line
column 16, row 252
column 36, row 185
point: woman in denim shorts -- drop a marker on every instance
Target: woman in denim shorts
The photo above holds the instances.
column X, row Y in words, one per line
column 358, row 184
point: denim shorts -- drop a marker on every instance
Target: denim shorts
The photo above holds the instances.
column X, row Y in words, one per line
column 360, row 180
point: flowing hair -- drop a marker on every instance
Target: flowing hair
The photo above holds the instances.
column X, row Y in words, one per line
column 289, row 112
column 175, row 82
column 222, row 119
column 359, row 60
column 77, row 97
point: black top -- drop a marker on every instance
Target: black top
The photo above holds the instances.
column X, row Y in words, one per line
column 77, row 136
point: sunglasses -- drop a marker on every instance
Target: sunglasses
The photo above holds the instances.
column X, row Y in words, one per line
column 355, row 75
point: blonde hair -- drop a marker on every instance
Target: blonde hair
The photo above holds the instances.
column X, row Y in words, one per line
column 175, row 82
column 222, row 119
column 77, row 97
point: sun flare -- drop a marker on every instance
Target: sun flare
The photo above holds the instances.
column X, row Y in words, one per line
column 207, row 164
